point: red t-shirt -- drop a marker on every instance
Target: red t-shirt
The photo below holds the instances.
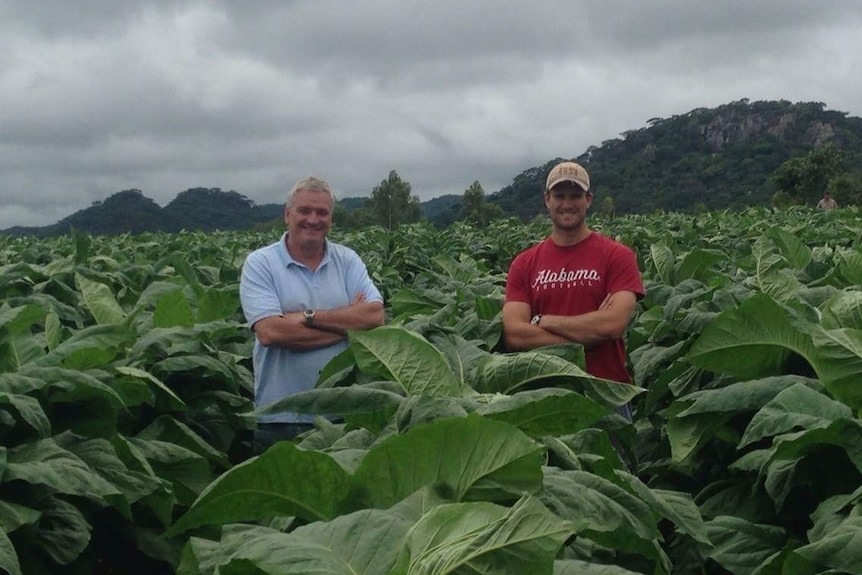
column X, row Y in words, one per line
column 572, row 280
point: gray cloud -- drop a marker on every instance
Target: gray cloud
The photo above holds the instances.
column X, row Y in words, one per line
column 98, row 96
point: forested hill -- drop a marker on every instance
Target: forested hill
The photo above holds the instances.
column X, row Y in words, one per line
column 131, row 211
column 725, row 157
column 707, row 158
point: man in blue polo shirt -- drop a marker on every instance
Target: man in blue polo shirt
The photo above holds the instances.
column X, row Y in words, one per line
column 300, row 295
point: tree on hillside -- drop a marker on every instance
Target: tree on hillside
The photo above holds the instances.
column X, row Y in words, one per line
column 606, row 207
column 805, row 178
column 354, row 219
column 474, row 208
column 391, row 203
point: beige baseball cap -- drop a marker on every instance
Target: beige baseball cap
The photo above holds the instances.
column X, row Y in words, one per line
column 568, row 172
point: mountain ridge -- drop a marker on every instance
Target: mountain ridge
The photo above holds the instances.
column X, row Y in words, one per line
column 717, row 158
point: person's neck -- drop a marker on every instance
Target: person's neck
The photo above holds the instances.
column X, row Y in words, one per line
column 566, row 238
column 308, row 253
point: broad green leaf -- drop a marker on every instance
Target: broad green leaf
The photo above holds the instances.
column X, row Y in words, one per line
column 217, row 303
column 510, row 372
column 545, row 411
column 664, row 262
column 840, row 549
column 697, row 263
column 466, row 457
column 577, row 567
column 169, row 429
column 843, row 433
column 30, row 411
column 101, row 457
column 485, row 538
column 687, row 434
column 152, row 379
column 201, row 556
column 172, row 310
column 838, row 362
column 405, row 357
column 843, row 310
column 44, row 462
column 368, row 541
column 53, row 330
column 740, row 546
column 91, row 347
column 700, row 416
column 364, row 543
column 17, row 344
column 650, row 358
column 8, row 557
column 765, row 259
column 100, row 301
column 188, row 472
column 209, row 364
column 284, row 480
column 739, row 397
column 791, row 247
column 13, row 516
column 83, row 244
column 18, row 319
column 737, row 497
column 754, row 340
column 596, row 504
column 73, row 386
column 63, row 532
column 343, row 401
column 850, row 266
column 797, row 406
column 676, row 506
column 463, row 356
column 18, row 349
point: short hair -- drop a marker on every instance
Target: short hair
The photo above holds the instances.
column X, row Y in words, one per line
column 310, row 184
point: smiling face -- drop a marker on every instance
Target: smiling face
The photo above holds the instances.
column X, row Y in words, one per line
column 308, row 218
column 567, row 205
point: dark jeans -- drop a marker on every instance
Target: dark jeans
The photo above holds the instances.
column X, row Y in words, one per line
column 267, row 434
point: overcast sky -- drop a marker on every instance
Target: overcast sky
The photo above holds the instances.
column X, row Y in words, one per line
column 98, row 96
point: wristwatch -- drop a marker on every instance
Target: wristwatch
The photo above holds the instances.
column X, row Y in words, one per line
column 309, row 317
column 536, row 319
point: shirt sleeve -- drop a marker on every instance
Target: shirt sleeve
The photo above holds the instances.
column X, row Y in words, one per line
column 624, row 272
column 358, row 280
column 257, row 293
column 517, row 288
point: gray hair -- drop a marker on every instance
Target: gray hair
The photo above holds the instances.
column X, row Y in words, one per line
column 310, row 184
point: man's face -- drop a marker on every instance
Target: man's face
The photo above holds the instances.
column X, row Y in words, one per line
column 310, row 216
column 567, row 204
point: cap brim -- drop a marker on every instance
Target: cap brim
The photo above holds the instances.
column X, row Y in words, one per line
column 561, row 180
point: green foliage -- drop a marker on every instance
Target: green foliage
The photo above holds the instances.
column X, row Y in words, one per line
column 125, row 406
column 475, row 210
column 805, row 178
column 391, row 204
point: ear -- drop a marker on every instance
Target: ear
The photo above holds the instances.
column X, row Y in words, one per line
column 547, row 198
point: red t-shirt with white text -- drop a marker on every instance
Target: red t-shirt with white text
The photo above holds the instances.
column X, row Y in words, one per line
column 572, row 280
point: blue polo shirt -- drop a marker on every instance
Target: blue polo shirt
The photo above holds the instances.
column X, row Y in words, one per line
column 273, row 283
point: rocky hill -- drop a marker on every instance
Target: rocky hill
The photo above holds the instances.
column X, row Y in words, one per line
column 704, row 159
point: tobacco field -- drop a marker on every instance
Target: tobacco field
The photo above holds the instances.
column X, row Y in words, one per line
column 126, row 413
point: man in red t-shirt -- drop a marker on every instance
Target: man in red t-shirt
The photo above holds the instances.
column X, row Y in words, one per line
column 576, row 286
